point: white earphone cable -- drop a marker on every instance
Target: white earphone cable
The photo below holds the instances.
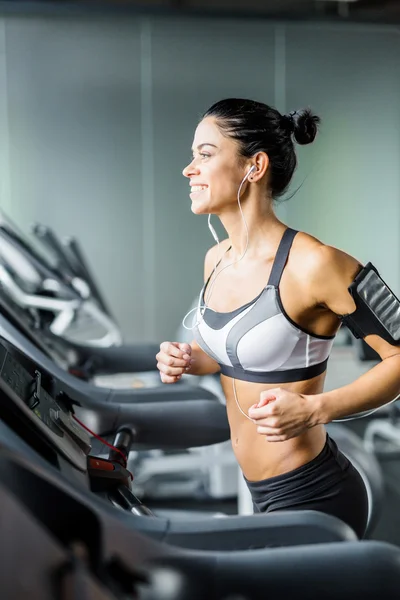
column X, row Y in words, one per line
column 214, row 275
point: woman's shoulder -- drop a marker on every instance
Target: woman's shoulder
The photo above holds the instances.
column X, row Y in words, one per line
column 318, row 261
column 213, row 255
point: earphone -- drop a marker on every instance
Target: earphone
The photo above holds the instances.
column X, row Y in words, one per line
column 199, row 308
column 249, row 172
column 211, row 228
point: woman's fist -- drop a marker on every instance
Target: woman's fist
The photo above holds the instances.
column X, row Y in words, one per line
column 173, row 360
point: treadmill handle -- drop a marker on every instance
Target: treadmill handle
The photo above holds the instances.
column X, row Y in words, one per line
column 128, row 358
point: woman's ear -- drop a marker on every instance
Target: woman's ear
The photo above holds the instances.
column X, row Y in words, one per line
column 260, row 167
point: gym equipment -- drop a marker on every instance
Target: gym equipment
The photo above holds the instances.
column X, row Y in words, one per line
column 60, row 301
column 75, row 543
column 203, row 472
column 36, row 407
column 382, row 435
column 15, row 326
column 97, row 558
column 71, row 259
column 65, row 308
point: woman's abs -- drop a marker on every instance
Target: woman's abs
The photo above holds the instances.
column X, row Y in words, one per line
column 258, row 458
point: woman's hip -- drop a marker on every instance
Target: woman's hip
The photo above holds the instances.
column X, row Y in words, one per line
column 329, row 483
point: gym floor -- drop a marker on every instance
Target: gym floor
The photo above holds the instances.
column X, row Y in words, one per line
column 344, row 367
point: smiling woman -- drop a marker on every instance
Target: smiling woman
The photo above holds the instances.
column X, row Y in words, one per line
column 215, row 143
column 217, row 162
column 267, row 316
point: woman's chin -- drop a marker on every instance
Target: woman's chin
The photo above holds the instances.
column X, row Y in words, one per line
column 200, row 208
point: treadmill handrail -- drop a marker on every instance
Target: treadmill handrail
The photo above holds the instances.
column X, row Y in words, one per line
column 263, row 529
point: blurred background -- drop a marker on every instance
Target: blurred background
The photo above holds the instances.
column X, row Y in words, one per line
column 99, row 103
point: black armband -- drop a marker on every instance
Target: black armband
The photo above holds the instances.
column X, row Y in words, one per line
column 377, row 308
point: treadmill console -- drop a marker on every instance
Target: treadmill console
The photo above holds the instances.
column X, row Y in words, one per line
column 21, row 383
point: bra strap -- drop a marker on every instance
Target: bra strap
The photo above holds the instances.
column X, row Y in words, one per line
column 281, row 256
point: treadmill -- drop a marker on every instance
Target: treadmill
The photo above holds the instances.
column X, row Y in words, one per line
column 74, row 524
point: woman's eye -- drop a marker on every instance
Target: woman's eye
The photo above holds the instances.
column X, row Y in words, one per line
column 201, row 155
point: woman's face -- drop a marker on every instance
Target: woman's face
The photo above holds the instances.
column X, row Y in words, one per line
column 216, row 170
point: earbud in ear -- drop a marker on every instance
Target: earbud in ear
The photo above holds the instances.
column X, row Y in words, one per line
column 249, row 172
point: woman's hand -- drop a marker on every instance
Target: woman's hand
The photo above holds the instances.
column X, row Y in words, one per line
column 173, row 360
column 281, row 415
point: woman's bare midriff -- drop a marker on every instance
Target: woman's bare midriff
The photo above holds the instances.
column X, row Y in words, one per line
column 258, row 458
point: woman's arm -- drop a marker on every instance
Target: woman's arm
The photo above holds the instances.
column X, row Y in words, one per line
column 281, row 414
column 202, row 363
column 379, row 385
column 373, row 389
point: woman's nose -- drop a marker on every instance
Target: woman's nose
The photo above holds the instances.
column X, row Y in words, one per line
column 190, row 170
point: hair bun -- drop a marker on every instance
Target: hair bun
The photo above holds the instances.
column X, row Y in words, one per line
column 305, row 125
column 287, row 122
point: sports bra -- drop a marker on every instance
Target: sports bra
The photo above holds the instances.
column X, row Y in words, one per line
column 259, row 342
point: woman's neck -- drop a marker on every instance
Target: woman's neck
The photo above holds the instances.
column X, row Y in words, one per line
column 264, row 229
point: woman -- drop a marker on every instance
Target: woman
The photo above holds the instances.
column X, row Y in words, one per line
column 267, row 317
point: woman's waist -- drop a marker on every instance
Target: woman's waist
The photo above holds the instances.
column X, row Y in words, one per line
column 257, row 457
column 260, row 459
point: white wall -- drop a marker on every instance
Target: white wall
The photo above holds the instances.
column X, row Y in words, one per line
column 75, row 145
column 350, row 195
column 97, row 118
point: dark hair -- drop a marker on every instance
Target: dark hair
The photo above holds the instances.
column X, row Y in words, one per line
column 261, row 128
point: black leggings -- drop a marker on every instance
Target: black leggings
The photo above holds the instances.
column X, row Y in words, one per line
column 329, row 484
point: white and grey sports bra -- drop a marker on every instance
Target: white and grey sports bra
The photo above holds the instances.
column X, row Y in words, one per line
column 259, row 342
